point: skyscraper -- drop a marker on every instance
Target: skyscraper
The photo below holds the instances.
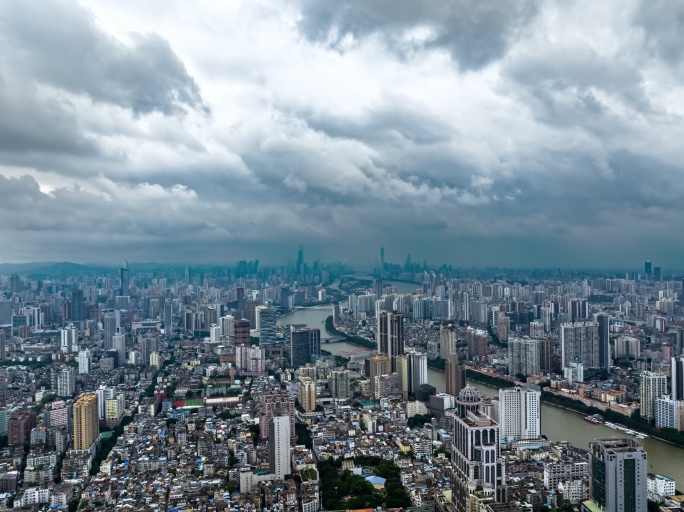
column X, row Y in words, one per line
column 306, row 393
column 77, row 306
column 241, row 331
column 477, row 344
column 86, row 425
column 66, row 381
column 84, row 361
column 266, row 324
column 418, row 370
column 378, row 365
column 119, row 344
column 519, row 413
column 339, row 384
column 657, row 273
column 3, row 347
column 305, row 346
column 390, row 335
column 123, row 277
column 455, row 375
column 647, row 268
column 69, row 338
column 618, row 473
column 475, row 451
column 653, row 386
column 5, row 312
column 678, row 378
column 279, row 446
column 523, row 355
column 168, row 317
column 108, row 327
column 603, row 320
column 580, row 344
column 403, row 376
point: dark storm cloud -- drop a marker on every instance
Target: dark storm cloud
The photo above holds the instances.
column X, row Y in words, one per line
column 549, row 134
column 663, row 24
column 58, row 43
column 474, row 33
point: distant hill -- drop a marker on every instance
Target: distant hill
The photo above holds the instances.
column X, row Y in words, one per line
column 51, row 269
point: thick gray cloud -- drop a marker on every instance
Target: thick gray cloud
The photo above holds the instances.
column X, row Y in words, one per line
column 485, row 133
column 474, row 33
column 59, row 44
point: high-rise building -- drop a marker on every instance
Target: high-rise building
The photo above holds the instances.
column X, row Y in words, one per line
column 266, row 325
column 647, row 268
column 123, row 277
column 104, row 393
column 653, row 386
column 678, row 378
column 390, row 335
column 279, row 446
column 15, row 284
column 277, row 402
column 455, row 375
column 580, row 344
column 669, row 413
column 339, row 384
column 378, row 365
column 228, row 326
column 119, row 344
column 305, row 346
column 603, row 320
column 66, row 382
column 418, row 370
column 3, row 346
column 519, row 413
column 5, row 312
column 447, row 340
column 523, row 356
column 241, row 332
column 168, row 317
column 77, row 306
column 149, row 343
column 69, row 336
column 475, row 452
column 477, row 344
column 306, row 394
column 546, row 355
column 657, row 273
column 84, row 361
column 114, row 410
column 19, row 426
column 578, row 310
column 403, row 376
column 108, row 327
column 86, row 425
column 618, row 473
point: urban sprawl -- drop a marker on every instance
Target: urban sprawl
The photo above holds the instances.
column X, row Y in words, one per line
column 148, row 388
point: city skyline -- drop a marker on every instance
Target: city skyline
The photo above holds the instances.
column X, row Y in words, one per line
column 513, row 134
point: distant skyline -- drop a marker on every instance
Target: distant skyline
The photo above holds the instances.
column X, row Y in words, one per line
column 514, row 134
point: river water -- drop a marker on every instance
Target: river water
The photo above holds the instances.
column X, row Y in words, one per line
column 557, row 424
column 562, row 425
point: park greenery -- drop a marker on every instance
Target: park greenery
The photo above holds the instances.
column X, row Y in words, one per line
column 419, row 420
column 343, row 490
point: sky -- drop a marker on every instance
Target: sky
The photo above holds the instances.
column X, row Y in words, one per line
column 511, row 132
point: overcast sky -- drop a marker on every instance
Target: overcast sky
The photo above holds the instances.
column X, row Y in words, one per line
column 514, row 133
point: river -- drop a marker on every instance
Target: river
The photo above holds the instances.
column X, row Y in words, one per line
column 314, row 318
column 562, row 425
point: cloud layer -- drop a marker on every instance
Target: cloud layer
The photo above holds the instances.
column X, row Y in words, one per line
column 471, row 133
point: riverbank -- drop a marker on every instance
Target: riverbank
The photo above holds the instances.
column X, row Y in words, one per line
column 352, row 339
column 581, row 409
